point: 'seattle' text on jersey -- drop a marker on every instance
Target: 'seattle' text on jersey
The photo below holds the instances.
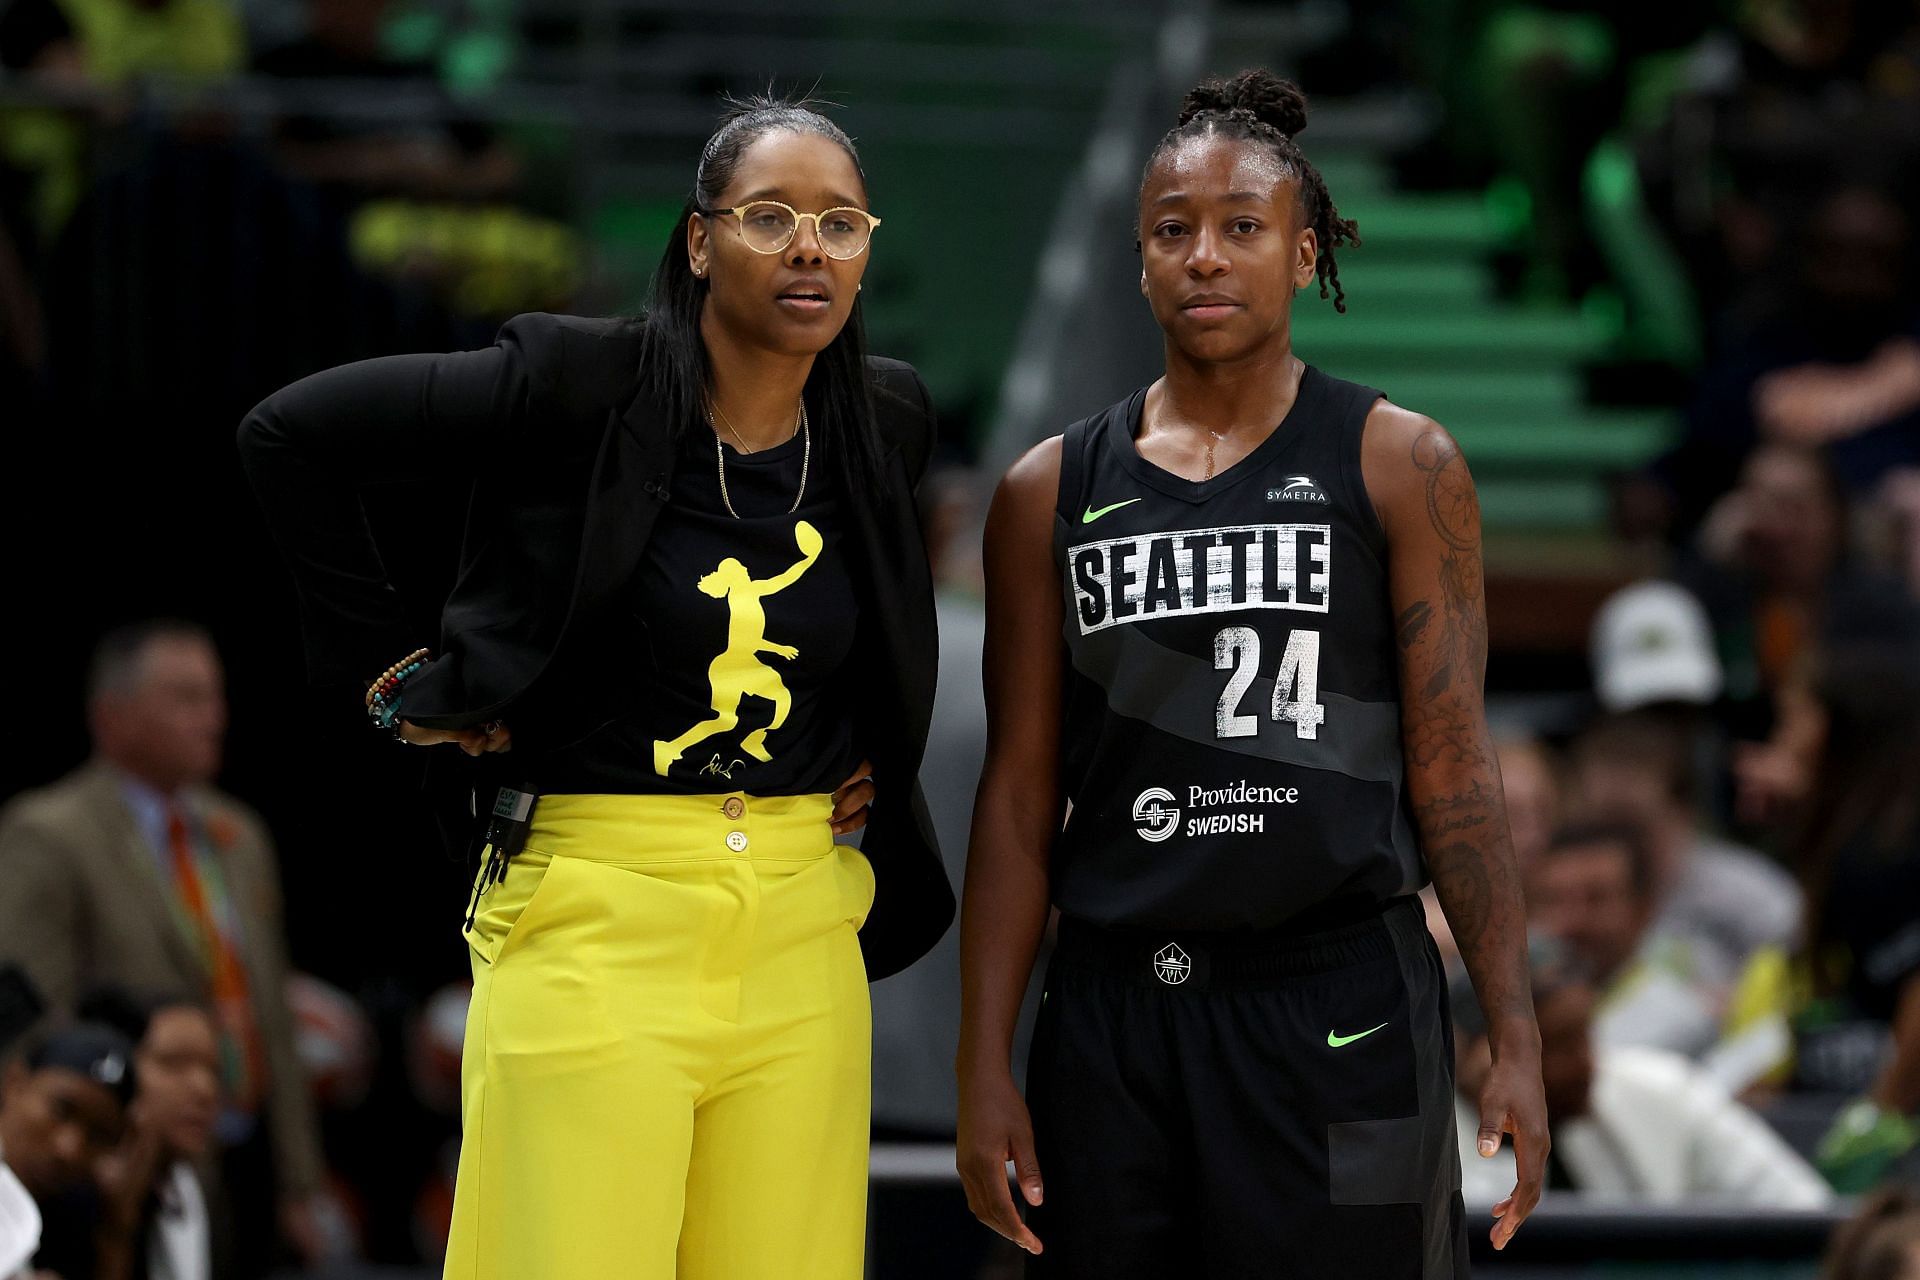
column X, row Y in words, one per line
column 1195, row 571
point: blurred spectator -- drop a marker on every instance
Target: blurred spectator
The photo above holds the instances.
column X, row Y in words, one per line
column 1860, row 863
column 1653, row 644
column 1770, row 550
column 1627, row 1124
column 1592, row 891
column 179, row 1065
column 1833, row 359
column 1880, row 1242
column 1716, row 904
column 1653, row 647
column 1774, row 564
column 134, row 871
column 144, row 1217
column 63, row 1106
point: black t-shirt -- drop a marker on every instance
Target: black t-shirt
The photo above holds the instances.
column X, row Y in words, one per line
column 744, row 626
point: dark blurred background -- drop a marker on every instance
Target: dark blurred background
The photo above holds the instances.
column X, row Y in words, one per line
column 1654, row 265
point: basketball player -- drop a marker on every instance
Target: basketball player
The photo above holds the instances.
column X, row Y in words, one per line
column 1261, row 735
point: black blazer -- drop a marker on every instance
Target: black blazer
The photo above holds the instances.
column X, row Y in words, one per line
column 570, row 467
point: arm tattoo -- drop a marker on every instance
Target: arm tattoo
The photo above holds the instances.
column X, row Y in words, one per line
column 1451, row 504
column 1453, row 778
column 1413, row 621
column 1465, row 889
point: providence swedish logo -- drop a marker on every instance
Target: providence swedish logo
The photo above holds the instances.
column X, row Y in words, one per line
column 1156, row 813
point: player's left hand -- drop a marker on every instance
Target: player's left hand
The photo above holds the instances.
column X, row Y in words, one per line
column 1514, row 1101
column 851, row 800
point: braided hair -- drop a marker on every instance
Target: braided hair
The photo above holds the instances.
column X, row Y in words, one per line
column 1260, row 107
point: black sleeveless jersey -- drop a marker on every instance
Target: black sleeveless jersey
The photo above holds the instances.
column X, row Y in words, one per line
column 1231, row 741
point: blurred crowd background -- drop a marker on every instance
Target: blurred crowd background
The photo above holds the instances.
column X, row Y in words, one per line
column 1654, row 265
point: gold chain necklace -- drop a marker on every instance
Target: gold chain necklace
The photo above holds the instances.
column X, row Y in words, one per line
column 720, row 456
column 713, row 409
column 1213, row 438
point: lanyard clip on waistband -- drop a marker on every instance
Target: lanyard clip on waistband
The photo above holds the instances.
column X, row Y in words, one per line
column 506, row 836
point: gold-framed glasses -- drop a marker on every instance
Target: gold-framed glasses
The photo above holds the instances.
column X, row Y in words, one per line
column 769, row 226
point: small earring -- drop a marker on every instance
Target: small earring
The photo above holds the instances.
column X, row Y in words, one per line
column 700, row 271
column 858, row 287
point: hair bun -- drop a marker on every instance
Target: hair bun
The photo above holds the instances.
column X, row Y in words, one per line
column 1257, row 92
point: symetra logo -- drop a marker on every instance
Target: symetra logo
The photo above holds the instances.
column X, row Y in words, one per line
column 1156, row 813
column 1298, row 489
column 1171, row 965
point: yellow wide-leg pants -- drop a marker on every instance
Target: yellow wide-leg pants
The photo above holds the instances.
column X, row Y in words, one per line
column 666, row 1068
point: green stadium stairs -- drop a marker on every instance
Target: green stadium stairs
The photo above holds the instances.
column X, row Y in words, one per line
column 1424, row 325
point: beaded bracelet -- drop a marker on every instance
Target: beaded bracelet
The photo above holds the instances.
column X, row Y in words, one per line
column 383, row 695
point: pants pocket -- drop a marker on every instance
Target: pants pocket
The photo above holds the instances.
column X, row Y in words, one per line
column 506, row 908
column 858, row 873
column 1377, row 1162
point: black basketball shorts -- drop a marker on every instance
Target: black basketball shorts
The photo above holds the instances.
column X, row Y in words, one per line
column 1245, row 1105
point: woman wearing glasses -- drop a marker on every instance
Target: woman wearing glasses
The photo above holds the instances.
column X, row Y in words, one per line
column 695, row 604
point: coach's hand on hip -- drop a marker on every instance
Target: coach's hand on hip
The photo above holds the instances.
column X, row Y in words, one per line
column 853, row 799
column 481, row 740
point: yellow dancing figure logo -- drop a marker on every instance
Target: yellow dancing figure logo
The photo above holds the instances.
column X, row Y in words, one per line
column 739, row 671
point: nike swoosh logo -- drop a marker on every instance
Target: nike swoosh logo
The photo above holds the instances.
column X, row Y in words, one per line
column 1334, row 1041
column 1091, row 515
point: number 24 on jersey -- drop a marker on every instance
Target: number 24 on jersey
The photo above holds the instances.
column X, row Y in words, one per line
column 1296, row 689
